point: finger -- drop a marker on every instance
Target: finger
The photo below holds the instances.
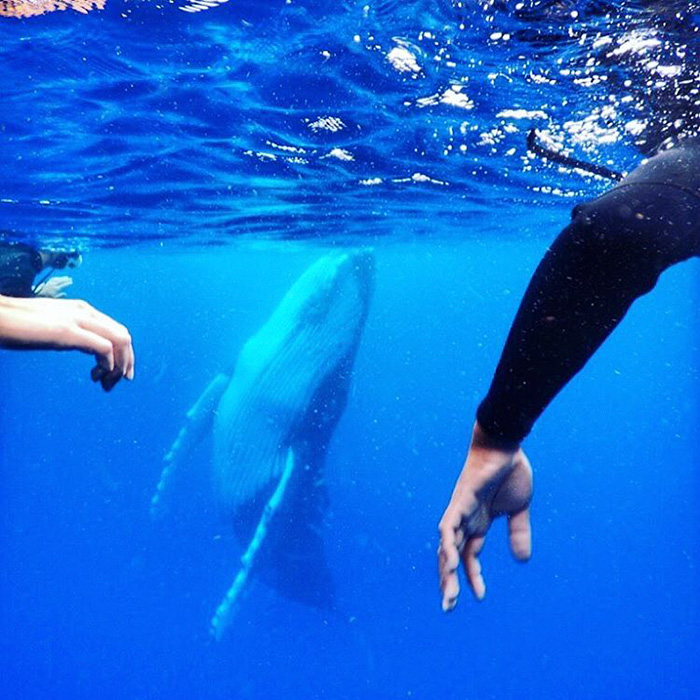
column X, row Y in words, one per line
column 472, row 566
column 129, row 374
column 97, row 322
column 124, row 348
column 95, row 344
column 448, row 564
column 520, row 534
column 122, row 354
column 93, row 319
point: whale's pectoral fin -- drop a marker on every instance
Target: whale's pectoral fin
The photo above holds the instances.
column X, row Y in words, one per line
column 225, row 612
column 294, row 560
column 199, row 421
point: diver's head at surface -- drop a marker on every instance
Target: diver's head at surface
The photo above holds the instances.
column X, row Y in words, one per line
column 61, row 259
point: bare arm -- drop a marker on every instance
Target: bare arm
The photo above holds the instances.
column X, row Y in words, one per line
column 67, row 324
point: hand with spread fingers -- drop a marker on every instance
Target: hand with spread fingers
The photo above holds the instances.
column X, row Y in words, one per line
column 495, row 481
column 54, row 287
column 67, row 324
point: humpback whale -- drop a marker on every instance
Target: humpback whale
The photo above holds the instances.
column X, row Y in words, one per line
column 272, row 419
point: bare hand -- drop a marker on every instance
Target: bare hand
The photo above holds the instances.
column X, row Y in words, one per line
column 53, row 287
column 494, row 481
column 67, row 324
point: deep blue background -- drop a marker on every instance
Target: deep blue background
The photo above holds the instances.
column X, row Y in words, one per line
column 98, row 601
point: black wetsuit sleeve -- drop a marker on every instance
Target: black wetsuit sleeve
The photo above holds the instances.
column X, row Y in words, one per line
column 612, row 252
column 19, row 265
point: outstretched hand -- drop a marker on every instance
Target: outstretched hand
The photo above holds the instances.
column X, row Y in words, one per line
column 495, row 481
column 68, row 324
column 53, row 287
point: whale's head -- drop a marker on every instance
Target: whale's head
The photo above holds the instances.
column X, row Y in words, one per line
column 332, row 297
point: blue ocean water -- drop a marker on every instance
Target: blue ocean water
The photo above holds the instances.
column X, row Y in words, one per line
column 201, row 161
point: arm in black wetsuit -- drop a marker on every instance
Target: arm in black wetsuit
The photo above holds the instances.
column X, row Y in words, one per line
column 612, row 252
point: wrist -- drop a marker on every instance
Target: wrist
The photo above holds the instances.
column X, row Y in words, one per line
column 482, row 439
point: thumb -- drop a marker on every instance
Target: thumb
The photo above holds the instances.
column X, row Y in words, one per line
column 520, row 534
